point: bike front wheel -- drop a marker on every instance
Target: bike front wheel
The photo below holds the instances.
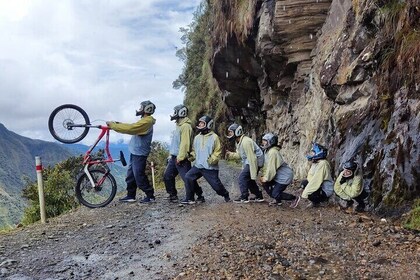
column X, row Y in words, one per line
column 101, row 194
column 68, row 123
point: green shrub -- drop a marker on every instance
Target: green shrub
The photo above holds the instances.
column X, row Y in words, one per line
column 413, row 219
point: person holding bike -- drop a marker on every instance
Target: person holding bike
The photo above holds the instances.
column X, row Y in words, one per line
column 139, row 147
column 179, row 150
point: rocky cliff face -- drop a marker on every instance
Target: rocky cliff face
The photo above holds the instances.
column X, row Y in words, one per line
column 342, row 73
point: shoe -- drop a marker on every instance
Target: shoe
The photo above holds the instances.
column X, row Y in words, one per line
column 128, row 199
column 201, row 199
column 147, row 199
column 295, row 202
column 275, row 203
column 360, row 208
column 256, row 199
column 187, row 202
column 171, row 198
column 227, row 198
column 241, row 200
column 312, row 205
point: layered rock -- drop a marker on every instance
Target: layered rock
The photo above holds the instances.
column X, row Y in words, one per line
column 314, row 70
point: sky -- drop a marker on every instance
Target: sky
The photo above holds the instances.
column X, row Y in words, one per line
column 105, row 56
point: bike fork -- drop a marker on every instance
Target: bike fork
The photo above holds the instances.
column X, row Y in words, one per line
column 86, row 170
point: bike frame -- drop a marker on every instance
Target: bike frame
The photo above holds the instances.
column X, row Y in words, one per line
column 87, row 161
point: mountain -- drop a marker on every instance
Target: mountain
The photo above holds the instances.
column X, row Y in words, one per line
column 17, row 157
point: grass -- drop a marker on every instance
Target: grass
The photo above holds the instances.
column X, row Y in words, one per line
column 413, row 220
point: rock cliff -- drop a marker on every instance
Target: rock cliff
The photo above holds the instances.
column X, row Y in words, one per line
column 342, row 73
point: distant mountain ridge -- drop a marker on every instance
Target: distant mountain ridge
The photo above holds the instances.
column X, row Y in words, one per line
column 17, row 161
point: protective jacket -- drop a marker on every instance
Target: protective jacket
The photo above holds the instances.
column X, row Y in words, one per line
column 275, row 168
column 207, row 151
column 250, row 153
column 181, row 139
column 142, row 134
column 319, row 176
column 350, row 189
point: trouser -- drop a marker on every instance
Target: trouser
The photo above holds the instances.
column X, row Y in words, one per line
column 211, row 176
column 246, row 184
column 360, row 199
column 136, row 177
column 276, row 191
column 316, row 197
column 172, row 170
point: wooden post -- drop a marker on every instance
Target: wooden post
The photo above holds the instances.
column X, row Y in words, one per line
column 38, row 164
column 152, row 165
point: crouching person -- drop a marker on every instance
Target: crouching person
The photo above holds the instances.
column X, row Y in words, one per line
column 349, row 186
column 207, row 152
column 276, row 173
column 318, row 186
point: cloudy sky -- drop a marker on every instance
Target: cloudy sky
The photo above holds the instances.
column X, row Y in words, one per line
column 105, row 56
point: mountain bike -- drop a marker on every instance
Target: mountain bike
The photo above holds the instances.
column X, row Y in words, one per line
column 96, row 186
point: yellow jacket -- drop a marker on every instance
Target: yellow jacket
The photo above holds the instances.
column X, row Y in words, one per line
column 140, row 127
column 350, row 188
column 250, row 153
column 319, row 175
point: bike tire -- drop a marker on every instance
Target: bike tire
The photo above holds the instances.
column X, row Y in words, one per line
column 98, row 196
column 64, row 115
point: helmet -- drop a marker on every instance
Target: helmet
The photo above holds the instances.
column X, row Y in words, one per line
column 208, row 124
column 351, row 166
column 318, row 152
column 180, row 111
column 237, row 130
column 271, row 139
column 146, row 107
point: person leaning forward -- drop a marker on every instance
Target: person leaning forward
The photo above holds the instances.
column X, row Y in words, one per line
column 139, row 147
column 206, row 154
column 252, row 159
column 179, row 151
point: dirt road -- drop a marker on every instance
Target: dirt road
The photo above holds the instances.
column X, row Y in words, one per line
column 213, row 240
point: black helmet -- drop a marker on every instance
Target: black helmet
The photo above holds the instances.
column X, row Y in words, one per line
column 146, row 107
column 271, row 139
column 208, row 124
column 319, row 152
column 350, row 165
column 180, row 111
column 236, row 129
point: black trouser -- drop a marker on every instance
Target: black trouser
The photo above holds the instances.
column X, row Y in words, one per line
column 316, row 197
column 276, row 191
column 247, row 185
column 172, row 170
column 211, row 176
column 360, row 199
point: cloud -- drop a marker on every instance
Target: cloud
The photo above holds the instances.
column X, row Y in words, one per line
column 105, row 56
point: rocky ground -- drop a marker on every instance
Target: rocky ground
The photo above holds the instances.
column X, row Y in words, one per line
column 213, row 240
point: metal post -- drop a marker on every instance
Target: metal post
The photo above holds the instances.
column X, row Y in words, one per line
column 153, row 173
column 38, row 164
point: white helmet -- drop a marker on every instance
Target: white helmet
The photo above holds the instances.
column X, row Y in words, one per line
column 237, row 130
column 146, row 107
column 272, row 140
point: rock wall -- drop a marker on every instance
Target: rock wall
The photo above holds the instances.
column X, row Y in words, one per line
column 311, row 70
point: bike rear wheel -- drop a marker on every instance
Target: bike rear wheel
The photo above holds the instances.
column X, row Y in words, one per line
column 68, row 123
column 100, row 195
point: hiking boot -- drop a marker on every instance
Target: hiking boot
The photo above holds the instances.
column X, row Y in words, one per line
column 241, row 200
column 295, row 202
column 187, row 202
column 128, row 199
column 173, row 198
column 227, row 198
column 201, row 199
column 147, row 199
